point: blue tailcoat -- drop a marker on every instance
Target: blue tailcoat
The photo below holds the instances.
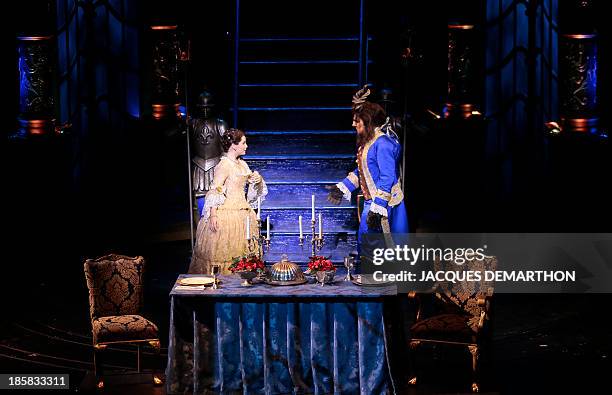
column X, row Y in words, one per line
column 380, row 158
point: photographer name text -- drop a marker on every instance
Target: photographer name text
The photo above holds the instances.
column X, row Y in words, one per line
column 474, row 276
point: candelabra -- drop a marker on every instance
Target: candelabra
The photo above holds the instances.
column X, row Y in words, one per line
column 316, row 241
column 259, row 243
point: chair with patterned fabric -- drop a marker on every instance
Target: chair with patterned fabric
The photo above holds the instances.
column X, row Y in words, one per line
column 115, row 284
column 463, row 316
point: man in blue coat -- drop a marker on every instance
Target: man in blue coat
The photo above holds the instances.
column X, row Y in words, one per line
column 377, row 174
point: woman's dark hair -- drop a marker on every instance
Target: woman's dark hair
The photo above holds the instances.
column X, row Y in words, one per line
column 231, row 136
column 372, row 115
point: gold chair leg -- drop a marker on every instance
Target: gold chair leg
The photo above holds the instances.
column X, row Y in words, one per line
column 412, row 362
column 475, row 354
column 155, row 344
column 157, row 377
column 98, row 367
column 138, row 356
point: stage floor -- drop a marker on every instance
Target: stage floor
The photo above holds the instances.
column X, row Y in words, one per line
column 541, row 343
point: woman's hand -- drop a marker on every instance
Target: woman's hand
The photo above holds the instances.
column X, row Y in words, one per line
column 255, row 178
column 213, row 223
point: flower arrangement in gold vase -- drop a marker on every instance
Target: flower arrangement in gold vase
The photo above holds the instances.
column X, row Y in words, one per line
column 320, row 263
column 323, row 269
column 247, row 267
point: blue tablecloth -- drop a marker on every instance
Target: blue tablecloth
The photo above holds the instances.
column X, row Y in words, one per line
column 279, row 340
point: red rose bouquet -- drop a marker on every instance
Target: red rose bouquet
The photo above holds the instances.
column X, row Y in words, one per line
column 247, row 263
column 320, row 264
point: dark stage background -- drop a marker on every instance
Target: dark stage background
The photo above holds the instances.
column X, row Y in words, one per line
column 116, row 180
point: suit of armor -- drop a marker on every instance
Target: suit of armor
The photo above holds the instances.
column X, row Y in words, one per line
column 206, row 132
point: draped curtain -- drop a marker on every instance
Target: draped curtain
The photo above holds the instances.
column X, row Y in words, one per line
column 98, row 70
column 521, row 81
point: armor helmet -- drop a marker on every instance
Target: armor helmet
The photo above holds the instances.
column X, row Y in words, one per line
column 386, row 95
column 386, row 99
column 205, row 104
column 205, row 100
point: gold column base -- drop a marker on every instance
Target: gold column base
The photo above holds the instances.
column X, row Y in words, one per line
column 580, row 125
column 165, row 111
column 37, row 127
column 459, row 110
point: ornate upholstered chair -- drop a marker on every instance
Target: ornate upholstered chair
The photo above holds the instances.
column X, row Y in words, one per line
column 462, row 317
column 115, row 299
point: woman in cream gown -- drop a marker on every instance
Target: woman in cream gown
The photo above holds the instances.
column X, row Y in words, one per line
column 221, row 233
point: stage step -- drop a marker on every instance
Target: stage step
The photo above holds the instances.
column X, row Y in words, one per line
column 336, row 245
column 296, row 108
column 293, row 39
column 295, row 119
column 300, row 61
column 300, row 143
column 293, row 98
column 296, row 131
column 299, row 84
column 335, row 219
column 312, row 95
column 317, row 18
column 299, row 195
column 299, row 72
column 324, row 168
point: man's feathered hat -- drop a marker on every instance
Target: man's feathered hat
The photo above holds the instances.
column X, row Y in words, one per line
column 361, row 97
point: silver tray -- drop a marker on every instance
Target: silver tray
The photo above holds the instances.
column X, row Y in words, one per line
column 291, row 282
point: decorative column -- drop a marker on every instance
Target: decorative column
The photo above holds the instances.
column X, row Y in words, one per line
column 578, row 110
column 578, row 77
column 461, row 99
column 36, row 104
column 165, row 84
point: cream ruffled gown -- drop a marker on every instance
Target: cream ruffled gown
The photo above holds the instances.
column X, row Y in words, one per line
column 227, row 194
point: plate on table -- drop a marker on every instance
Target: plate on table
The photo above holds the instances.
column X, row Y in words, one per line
column 200, row 280
column 367, row 280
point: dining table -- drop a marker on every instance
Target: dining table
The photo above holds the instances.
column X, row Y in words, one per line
column 271, row 339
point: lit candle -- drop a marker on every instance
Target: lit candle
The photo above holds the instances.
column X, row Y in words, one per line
column 248, row 228
column 268, row 227
column 313, row 206
column 259, row 208
column 320, row 226
column 300, row 221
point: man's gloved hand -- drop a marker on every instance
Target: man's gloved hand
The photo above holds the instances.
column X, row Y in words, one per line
column 374, row 221
column 335, row 194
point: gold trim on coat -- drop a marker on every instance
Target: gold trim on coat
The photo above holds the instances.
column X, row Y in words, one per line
column 397, row 194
